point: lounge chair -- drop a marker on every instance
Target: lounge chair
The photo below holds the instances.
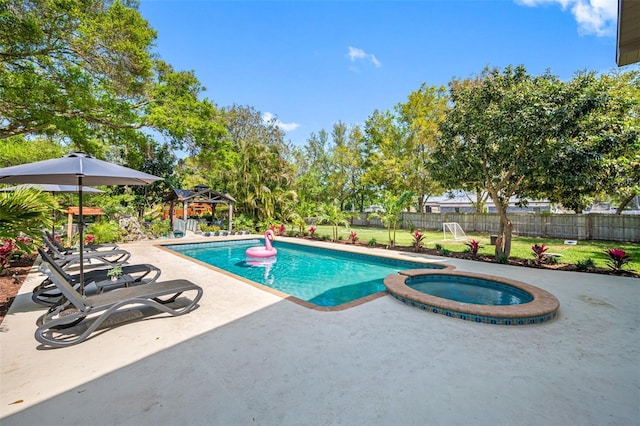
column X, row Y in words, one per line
column 103, row 257
column 96, row 281
column 71, row 250
column 179, row 228
column 193, row 226
column 74, row 321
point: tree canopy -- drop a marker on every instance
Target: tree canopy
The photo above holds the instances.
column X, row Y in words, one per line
column 518, row 135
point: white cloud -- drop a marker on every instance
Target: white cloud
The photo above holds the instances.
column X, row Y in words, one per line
column 356, row 53
column 597, row 17
column 267, row 118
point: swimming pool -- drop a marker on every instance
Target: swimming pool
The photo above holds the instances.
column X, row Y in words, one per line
column 322, row 277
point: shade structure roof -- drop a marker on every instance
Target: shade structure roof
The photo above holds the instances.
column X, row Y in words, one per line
column 628, row 42
column 202, row 195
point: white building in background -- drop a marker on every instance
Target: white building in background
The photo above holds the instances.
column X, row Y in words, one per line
column 465, row 202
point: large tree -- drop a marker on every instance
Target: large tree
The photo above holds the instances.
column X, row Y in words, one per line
column 622, row 127
column 71, row 67
column 602, row 159
column 254, row 170
column 83, row 72
column 18, row 150
column 506, row 128
column 385, row 153
column 419, row 119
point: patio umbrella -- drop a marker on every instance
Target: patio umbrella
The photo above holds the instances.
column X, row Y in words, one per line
column 54, row 189
column 78, row 169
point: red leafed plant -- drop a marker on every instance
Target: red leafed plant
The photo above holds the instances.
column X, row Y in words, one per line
column 618, row 258
column 538, row 251
column 473, row 247
column 6, row 249
column 89, row 239
column 281, row 230
column 418, row 240
column 353, row 237
column 312, row 231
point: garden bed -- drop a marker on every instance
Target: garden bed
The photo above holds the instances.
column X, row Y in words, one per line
column 11, row 280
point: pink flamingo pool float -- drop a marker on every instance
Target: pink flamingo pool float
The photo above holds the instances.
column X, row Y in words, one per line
column 267, row 250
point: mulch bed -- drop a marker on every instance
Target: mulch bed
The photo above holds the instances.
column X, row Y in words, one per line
column 529, row 263
column 11, row 280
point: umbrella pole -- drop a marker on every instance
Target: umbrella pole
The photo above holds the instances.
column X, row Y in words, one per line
column 80, row 231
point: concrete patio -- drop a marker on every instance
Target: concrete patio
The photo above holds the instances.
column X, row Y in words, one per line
column 246, row 356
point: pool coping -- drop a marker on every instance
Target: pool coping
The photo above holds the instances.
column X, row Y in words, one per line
column 286, row 296
column 543, row 308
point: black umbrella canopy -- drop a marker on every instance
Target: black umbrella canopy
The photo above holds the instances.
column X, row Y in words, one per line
column 78, row 169
column 67, row 170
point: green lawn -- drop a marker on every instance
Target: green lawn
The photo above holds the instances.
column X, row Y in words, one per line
column 520, row 247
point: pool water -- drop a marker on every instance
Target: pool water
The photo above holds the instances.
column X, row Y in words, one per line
column 320, row 276
column 477, row 291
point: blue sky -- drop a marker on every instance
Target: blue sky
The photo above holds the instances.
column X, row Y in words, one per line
column 313, row 63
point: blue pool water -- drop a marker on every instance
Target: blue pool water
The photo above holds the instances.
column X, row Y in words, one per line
column 469, row 290
column 320, row 276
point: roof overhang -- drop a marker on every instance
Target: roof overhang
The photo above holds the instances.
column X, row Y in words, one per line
column 628, row 40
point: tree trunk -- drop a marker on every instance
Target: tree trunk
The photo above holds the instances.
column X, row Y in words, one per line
column 624, row 203
column 503, row 243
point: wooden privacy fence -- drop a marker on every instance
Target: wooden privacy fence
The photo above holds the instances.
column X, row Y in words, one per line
column 604, row 227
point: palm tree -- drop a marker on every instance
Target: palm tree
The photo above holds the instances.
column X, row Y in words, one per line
column 393, row 206
column 299, row 213
column 330, row 213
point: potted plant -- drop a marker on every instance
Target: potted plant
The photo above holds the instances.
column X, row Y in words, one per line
column 114, row 273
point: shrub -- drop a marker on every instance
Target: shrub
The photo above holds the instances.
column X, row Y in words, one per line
column 242, row 223
column 105, row 231
column 503, row 259
column 209, row 228
column 159, row 228
column 372, row 242
column 618, row 258
column 439, row 247
column 279, row 230
column 473, row 247
column 445, row 252
column 585, row 265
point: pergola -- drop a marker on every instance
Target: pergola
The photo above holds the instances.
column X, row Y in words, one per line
column 200, row 194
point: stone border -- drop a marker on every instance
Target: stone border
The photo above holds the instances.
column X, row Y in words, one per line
column 543, row 308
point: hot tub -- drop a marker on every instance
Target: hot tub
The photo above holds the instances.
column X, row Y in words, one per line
column 494, row 300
